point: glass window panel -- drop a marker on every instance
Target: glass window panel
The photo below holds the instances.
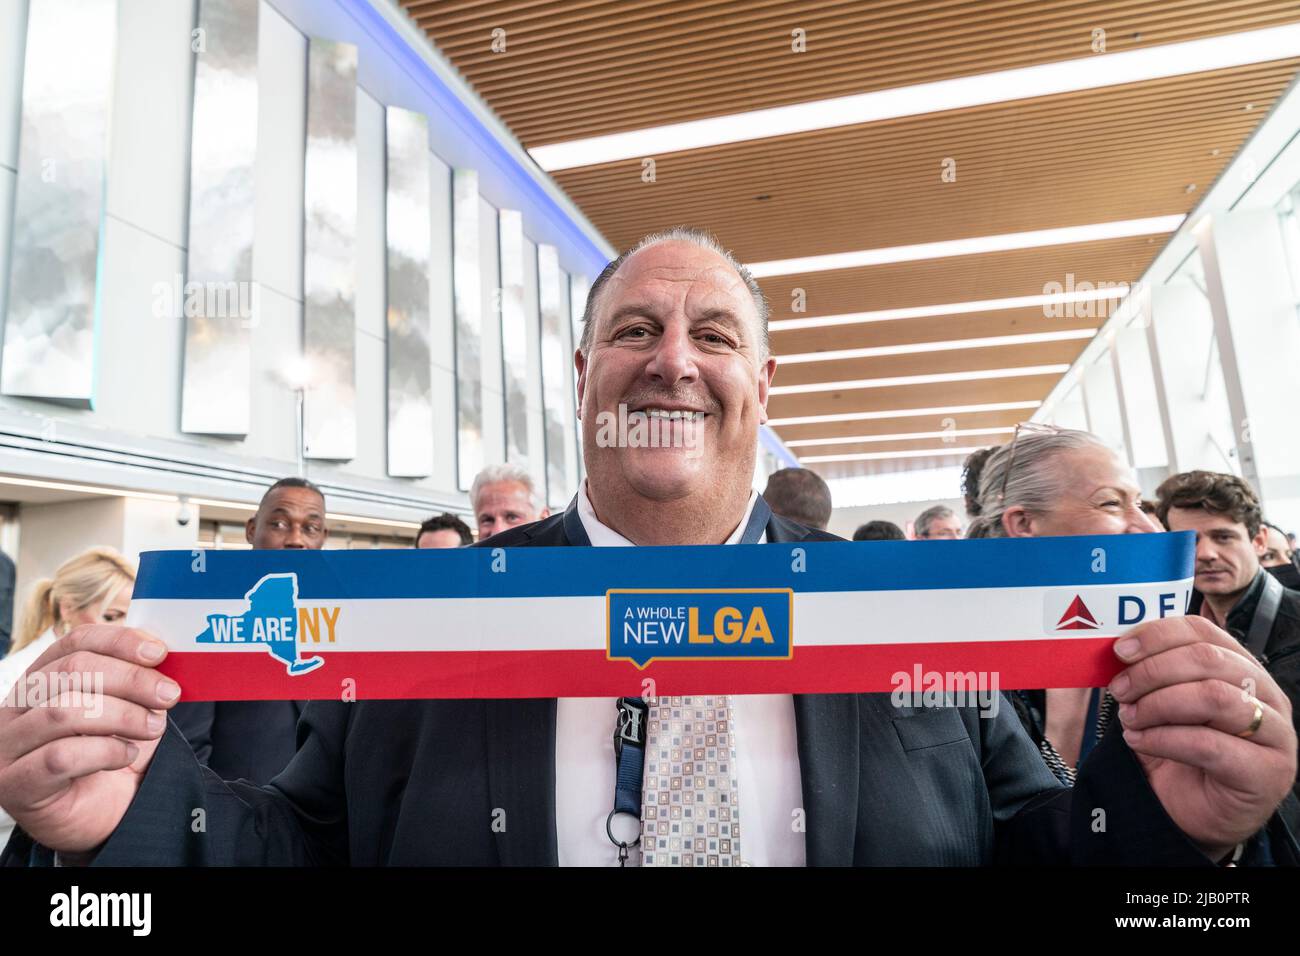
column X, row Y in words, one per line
column 329, row 259
column 557, row 387
column 579, row 287
column 514, row 336
column 467, row 299
column 53, row 311
column 409, row 227
column 216, row 381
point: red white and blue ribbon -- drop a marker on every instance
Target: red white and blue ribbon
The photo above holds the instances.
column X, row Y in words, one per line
column 813, row 617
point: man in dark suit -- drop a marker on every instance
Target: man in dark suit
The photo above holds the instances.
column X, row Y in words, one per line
column 254, row 739
column 675, row 330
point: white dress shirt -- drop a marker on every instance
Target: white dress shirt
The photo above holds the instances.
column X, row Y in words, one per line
column 769, row 786
column 16, row 664
column 12, row 668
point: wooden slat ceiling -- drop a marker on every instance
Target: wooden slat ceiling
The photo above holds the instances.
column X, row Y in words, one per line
column 933, row 328
column 898, row 426
column 851, row 469
column 991, row 275
column 590, row 67
column 895, row 397
column 1134, row 148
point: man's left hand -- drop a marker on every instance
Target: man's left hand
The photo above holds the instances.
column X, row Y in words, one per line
column 1189, row 693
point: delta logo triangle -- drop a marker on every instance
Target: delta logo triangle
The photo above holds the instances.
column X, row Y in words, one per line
column 1077, row 617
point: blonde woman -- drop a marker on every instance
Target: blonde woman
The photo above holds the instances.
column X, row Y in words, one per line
column 92, row 588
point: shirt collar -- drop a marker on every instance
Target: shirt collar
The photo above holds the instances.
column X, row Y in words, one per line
column 1244, row 610
column 603, row 536
column 1241, row 613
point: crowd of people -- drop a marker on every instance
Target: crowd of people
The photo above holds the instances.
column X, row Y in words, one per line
column 1057, row 481
column 407, row 781
column 501, row 496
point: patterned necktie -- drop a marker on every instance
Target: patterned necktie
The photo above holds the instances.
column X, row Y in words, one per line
column 689, row 814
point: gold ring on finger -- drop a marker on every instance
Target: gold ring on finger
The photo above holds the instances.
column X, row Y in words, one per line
column 1255, row 721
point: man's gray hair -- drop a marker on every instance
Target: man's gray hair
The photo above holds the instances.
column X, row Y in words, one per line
column 929, row 516
column 1033, row 483
column 497, row 473
column 696, row 237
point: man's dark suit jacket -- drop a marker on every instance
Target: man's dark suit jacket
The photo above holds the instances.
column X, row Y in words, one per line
column 421, row 782
column 241, row 739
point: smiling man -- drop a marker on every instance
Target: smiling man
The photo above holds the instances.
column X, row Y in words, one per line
column 684, row 340
column 675, row 325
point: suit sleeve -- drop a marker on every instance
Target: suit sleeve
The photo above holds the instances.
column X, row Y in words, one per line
column 184, row 815
column 1030, row 807
column 1111, row 817
column 194, row 721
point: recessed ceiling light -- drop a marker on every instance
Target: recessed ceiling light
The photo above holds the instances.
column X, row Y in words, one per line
column 1029, row 338
column 329, row 515
column 881, row 455
column 975, row 245
column 1045, row 79
column 1111, row 291
column 86, row 489
column 903, row 413
column 901, row 436
column 933, row 379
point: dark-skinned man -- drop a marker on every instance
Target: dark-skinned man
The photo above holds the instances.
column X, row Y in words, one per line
column 254, row 739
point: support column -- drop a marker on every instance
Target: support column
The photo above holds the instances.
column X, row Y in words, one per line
column 1179, row 338
column 1105, row 411
column 1143, row 408
column 1248, row 284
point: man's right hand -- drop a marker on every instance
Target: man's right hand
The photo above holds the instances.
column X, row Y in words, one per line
column 70, row 766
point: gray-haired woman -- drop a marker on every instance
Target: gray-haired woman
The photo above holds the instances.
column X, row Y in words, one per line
column 1058, row 481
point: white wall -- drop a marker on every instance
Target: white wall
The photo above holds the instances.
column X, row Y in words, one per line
column 52, row 533
column 137, row 405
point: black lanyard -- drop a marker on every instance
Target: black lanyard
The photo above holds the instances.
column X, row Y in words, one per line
column 634, row 712
column 629, row 754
